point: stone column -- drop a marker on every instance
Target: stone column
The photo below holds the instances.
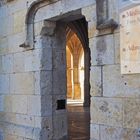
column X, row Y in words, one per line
column 53, row 82
column 77, row 89
column 69, row 73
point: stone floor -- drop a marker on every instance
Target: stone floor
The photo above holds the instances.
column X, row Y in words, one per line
column 78, row 122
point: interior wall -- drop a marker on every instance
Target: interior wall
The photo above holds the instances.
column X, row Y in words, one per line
column 69, row 73
column 74, row 50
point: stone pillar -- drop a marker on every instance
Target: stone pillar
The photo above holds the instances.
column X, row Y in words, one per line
column 53, row 82
column 76, row 82
column 69, row 73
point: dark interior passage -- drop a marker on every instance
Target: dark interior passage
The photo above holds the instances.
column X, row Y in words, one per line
column 78, row 73
column 78, row 122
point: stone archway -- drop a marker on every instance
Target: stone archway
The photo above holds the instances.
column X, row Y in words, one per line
column 80, row 27
column 52, row 72
column 54, row 52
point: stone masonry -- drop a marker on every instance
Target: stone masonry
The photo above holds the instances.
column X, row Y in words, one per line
column 32, row 64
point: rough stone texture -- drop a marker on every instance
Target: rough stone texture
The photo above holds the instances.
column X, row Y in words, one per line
column 18, row 84
column 117, row 85
column 31, row 81
column 117, row 47
column 102, row 50
column 131, row 113
column 96, row 81
column 90, row 15
column 106, row 111
column 116, row 133
column 94, row 132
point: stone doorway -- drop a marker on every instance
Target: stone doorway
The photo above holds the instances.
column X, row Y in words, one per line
column 75, row 69
column 54, row 38
column 77, row 80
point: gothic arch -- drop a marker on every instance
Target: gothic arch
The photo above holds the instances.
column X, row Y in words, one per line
column 80, row 27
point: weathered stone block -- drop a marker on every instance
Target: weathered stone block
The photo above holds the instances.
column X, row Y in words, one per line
column 4, row 11
column 38, row 27
column 117, row 85
column 19, row 24
column 1, row 136
column 32, row 60
column 19, row 62
column 92, row 32
column 45, row 84
column 131, row 113
column 59, row 59
column 4, row 83
column 34, row 105
column 94, row 132
column 19, row 104
column 96, row 81
column 1, row 65
column 14, row 41
column 102, row 50
column 8, row 104
column 21, row 131
column 6, row 26
column 116, row 133
column 15, row 7
column 106, row 111
column 1, row 103
column 12, row 137
column 46, row 105
column 117, row 48
column 37, row 83
column 46, row 59
column 15, row 104
column 60, row 126
column 47, row 128
column 3, row 45
column 37, row 121
column 18, row 119
column 22, row 83
column 59, row 88
column 7, row 63
column 38, row 42
column 90, row 15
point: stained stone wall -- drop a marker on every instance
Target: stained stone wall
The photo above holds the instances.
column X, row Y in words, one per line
column 115, row 112
column 27, row 77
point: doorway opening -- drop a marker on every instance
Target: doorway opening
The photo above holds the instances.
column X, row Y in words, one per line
column 75, row 70
column 75, row 117
column 78, row 87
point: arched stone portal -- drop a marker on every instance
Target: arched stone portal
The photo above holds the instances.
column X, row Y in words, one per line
column 50, row 29
column 33, row 76
column 54, row 52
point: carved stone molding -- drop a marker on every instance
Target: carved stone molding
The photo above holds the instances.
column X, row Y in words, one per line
column 104, row 24
column 35, row 6
column 112, row 24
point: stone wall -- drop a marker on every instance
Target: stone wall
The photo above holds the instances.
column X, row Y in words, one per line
column 20, row 100
column 115, row 112
column 24, row 112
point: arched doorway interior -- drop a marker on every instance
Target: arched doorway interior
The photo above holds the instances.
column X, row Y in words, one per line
column 78, row 88
column 75, row 69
